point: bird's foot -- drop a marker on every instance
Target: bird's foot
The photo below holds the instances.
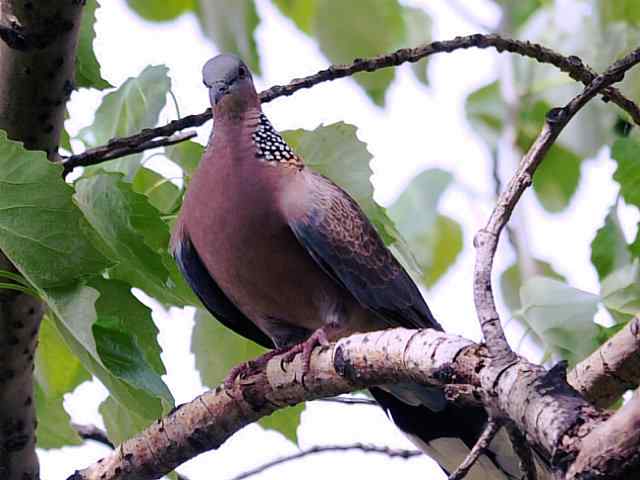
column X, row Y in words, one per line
column 317, row 339
column 252, row 366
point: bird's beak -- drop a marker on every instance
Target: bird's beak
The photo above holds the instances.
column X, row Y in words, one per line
column 218, row 90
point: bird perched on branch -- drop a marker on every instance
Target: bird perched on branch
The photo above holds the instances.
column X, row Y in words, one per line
column 286, row 258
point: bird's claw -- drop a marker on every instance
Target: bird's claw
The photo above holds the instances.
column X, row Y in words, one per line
column 317, row 339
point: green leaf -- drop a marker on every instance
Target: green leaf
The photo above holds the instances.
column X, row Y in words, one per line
column 511, row 281
column 54, row 428
column 161, row 192
column 486, row 112
column 562, row 316
column 51, row 382
column 87, row 67
column 620, row 292
column 121, row 422
column 118, row 309
column 160, row 10
column 626, row 152
column 217, row 349
column 620, row 11
column 609, row 249
column 75, row 314
column 186, row 154
column 127, row 110
column 435, row 240
column 380, row 29
column 285, row 421
column 418, row 28
column 52, row 352
column 300, row 12
column 41, row 230
column 231, row 24
column 520, row 10
column 557, row 177
column 134, row 236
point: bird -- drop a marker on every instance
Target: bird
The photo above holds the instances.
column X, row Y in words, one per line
column 286, row 258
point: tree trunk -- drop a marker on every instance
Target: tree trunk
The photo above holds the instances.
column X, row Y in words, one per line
column 37, row 63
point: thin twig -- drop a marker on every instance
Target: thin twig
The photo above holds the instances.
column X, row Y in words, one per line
column 349, row 401
column 121, row 148
column 571, row 65
column 486, row 240
column 478, row 449
column 389, row 452
column 91, row 432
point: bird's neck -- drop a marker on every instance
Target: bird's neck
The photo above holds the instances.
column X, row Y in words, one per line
column 254, row 138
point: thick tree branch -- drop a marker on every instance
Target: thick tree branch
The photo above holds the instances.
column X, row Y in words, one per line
column 571, row 65
column 553, row 415
column 486, row 240
column 361, row 447
column 612, row 369
column 37, row 58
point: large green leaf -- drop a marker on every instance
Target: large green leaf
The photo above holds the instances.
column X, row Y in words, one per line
column 486, row 112
column 134, row 236
column 231, row 24
column 609, row 250
column 511, row 281
column 87, row 67
column 51, row 382
column 626, row 152
column 186, row 154
column 435, row 240
column 620, row 292
column 160, row 10
column 217, row 350
column 620, row 11
column 418, row 31
column 41, row 230
column 300, row 12
column 54, row 428
column 379, row 28
column 127, row 110
column 560, row 315
column 75, row 314
column 121, row 422
column 161, row 192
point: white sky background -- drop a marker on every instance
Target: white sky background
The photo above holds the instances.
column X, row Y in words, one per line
column 420, row 128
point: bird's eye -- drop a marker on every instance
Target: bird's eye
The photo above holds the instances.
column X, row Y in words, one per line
column 242, row 72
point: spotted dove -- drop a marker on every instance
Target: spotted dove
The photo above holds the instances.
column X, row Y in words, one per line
column 285, row 257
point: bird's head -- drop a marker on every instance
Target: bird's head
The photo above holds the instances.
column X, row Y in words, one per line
column 229, row 82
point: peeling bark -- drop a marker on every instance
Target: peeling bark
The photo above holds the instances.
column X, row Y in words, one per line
column 37, row 61
column 612, row 369
column 538, row 402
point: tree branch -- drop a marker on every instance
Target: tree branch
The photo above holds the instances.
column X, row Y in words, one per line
column 571, row 65
column 553, row 415
column 486, row 240
column 478, row 449
column 612, row 369
column 389, row 452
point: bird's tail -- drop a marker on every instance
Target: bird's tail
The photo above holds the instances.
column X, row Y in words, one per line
column 448, row 434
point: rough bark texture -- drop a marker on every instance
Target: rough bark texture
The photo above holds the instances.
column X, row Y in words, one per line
column 37, row 58
column 554, row 415
column 612, row 369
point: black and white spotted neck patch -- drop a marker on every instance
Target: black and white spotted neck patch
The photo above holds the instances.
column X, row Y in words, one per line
column 270, row 146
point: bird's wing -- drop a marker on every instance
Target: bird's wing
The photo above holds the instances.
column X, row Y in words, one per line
column 212, row 296
column 340, row 238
